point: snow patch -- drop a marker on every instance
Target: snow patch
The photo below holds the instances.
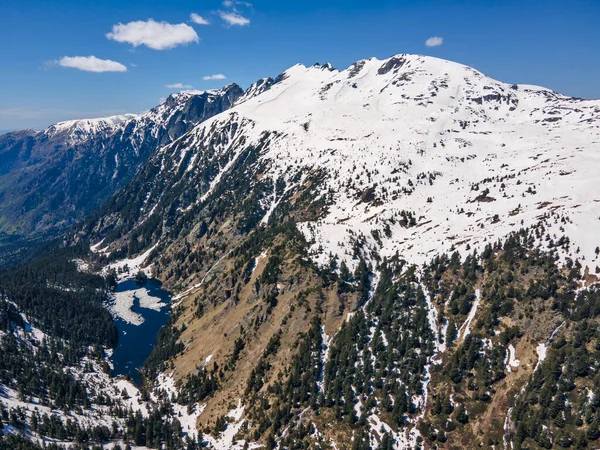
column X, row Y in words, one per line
column 129, row 267
column 541, row 351
column 513, row 362
column 123, row 302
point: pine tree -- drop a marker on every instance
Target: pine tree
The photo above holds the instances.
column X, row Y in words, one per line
column 593, row 431
column 461, row 414
column 451, row 333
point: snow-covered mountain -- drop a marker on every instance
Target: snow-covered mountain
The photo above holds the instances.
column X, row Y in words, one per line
column 414, row 154
column 399, row 255
column 84, row 129
column 370, row 169
column 53, row 178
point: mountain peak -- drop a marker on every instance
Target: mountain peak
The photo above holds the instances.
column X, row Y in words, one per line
column 409, row 118
column 82, row 128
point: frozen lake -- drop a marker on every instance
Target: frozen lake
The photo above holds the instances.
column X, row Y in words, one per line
column 140, row 311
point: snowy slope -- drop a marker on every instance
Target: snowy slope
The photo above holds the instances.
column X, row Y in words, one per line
column 90, row 374
column 53, row 178
column 469, row 157
column 75, row 131
column 78, row 130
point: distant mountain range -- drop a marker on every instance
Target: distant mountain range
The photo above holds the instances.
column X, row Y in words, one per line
column 53, row 178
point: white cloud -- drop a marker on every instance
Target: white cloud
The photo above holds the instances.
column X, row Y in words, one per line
column 179, row 86
column 233, row 4
column 91, row 64
column 197, row 19
column 234, row 19
column 217, row 76
column 434, row 41
column 156, row 35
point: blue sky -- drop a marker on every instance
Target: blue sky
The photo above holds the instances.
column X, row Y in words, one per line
column 550, row 43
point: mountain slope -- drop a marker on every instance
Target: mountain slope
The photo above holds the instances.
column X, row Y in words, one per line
column 53, row 178
column 410, row 137
column 312, row 228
